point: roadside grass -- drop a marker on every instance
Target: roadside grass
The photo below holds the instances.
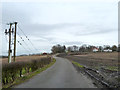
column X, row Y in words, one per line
column 28, row 76
column 113, row 68
column 23, row 71
column 77, row 64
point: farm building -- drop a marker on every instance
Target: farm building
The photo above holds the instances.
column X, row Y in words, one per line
column 107, row 50
column 44, row 53
column 95, row 49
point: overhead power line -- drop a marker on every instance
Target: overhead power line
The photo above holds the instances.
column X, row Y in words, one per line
column 24, row 41
column 22, row 46
column 11, row 32
column 28, row 39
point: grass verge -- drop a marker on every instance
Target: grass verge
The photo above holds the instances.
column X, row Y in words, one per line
column 77, row 64
column 28, row 76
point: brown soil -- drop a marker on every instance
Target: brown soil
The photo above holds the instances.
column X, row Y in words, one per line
column 96, row 59
column 102, row 62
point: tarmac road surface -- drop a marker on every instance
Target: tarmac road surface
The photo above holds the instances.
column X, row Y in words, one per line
column 61, row 75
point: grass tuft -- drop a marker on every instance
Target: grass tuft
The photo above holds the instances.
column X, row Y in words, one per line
column 77, row 64
column 113, row 68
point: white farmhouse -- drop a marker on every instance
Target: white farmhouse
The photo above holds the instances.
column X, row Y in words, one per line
column 95, row 49
column 107, row 50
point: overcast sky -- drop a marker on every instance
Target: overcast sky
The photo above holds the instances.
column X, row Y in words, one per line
column 93, row 22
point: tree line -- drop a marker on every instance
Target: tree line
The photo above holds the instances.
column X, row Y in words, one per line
column 84, row 48
column 58, row 49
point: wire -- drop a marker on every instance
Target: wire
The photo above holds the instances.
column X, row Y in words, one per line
column 28, row 39
column 24, row 41
column 22, row 31
column 12, row 40
column 22, row 45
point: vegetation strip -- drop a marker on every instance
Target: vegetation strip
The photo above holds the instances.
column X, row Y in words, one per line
column 29, row 75
column 81, row 66
column 12, row 71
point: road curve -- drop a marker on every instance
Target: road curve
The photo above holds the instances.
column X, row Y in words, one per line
column 61, row 75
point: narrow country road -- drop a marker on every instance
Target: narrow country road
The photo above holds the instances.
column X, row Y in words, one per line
column 61, row 75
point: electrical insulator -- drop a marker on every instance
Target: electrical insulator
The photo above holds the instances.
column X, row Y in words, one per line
column 12, row 30
column 6, row 32
column 9, row 29
column 10, row 51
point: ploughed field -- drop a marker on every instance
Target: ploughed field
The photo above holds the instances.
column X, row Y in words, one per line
column 104, row 64
column 24, row 58
column 98, row 60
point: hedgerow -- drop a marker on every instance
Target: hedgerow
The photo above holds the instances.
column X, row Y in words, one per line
column 12, row 71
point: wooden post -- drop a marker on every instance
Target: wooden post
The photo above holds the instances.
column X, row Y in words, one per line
column 9, row 52
column 15, row 41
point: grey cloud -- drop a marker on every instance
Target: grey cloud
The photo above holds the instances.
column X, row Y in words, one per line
column 93, row 32
column 41, row 39
column 24, row 20
column 48, row 27
column 10, row 15
column 73, row 43
column 43, row 29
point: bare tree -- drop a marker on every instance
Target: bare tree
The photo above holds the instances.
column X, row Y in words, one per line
column 107, row 47
column 69, row 49
column 100, row 48
column 75, row 48
column 58, row 49
column 114, row 48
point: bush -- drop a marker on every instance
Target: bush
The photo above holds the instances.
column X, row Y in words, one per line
column 12, row 71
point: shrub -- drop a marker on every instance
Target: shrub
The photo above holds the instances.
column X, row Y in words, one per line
column 14, row 70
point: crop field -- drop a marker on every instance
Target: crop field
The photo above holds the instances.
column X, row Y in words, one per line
column 104, row 64
column 101, row 55
column 97, row 60
column 24, row 58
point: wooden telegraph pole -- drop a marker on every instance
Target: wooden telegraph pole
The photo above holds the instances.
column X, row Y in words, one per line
column 9, row 32
column 10, row 51
column 15, row 41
